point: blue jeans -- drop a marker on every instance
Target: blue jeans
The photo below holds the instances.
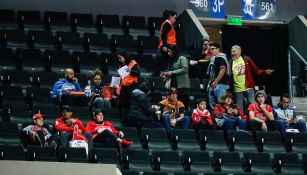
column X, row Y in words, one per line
column 216, row 94
column 282, row 126
column 232, row 122
column 239, row 97
column 184, row 123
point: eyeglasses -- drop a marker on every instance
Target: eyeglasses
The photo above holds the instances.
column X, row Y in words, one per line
column 213, row 48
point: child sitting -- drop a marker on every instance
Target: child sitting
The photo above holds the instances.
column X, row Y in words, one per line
column 37, row 134
column 201, row 118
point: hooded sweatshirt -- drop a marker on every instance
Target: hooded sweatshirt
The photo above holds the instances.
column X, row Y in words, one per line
column 213, row 70
column 62, row 86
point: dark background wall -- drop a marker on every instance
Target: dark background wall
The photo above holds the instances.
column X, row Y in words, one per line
column 287, row 9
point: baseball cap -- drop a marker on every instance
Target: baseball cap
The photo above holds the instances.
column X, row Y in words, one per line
column 38, row 115
column 97, row 111
column 67, row 108
column 172, row 91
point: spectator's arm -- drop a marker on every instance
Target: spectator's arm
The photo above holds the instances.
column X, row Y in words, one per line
column 77, row 85
column 184, row 63
column 135, row 71
column 81, row 126
column 255, row 69
column 60, row 127
column 91, row 128
column 252, row 117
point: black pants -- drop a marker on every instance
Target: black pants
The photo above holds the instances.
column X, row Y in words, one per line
column 125, row 95
column 162, row 63
column 256, row 126
column 39, row 138
column 106, row 139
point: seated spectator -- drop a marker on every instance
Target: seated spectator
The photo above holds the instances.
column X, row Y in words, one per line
column 104, row 132
column 173, row 112
column 200, row 60
column 201, row 117
column 260, row 114
column 285, row 116
column 96, row 94
column 67, row 90
column 231, row 114
column 65, row 125
column 37, row 134
column 141, row 112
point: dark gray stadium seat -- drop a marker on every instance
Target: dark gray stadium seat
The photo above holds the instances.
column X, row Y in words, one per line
column 136, row 160
column 241, row 141
column 9, row 135
column 56, row 21
column 30, row 20
column 257, row 163
column 104, row 155
column 67, row 154
column 7, row 19
column 41, row 153
column 213, row 140
column 196, row 161
column 228, row 162
column 10, row 152
column 167, row 161
column 296, row 142
column 155, row 139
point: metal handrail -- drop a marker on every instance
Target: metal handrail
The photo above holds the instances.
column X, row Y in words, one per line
column 289, row 66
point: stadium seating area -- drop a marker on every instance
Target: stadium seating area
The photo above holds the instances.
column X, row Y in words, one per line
column 35, row 48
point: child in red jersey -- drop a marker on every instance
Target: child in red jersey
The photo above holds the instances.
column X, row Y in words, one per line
column 201, row 117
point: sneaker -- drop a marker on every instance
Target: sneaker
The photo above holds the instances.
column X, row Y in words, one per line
column 126, row 143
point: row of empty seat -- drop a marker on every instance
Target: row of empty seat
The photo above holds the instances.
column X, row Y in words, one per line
column 59, row 21
column 165, row 161
column 73, row 41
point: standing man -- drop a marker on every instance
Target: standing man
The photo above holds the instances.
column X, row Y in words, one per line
column 285, row 116
column 218, row 70
column 242, row 81
column 200, row 60
column 167, row 38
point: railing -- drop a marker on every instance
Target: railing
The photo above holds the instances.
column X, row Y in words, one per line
column 291, row 48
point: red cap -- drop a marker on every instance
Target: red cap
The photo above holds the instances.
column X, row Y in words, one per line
column 36, row 116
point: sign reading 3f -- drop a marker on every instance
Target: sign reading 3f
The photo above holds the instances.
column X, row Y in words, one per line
column 217, row 9
column 248, row 9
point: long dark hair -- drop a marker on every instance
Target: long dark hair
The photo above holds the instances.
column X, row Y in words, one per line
column 126, row 56
column 175, row 52
column 168, row 13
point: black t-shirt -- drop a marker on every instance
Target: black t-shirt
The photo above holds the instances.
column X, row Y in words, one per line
column 215, row 69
